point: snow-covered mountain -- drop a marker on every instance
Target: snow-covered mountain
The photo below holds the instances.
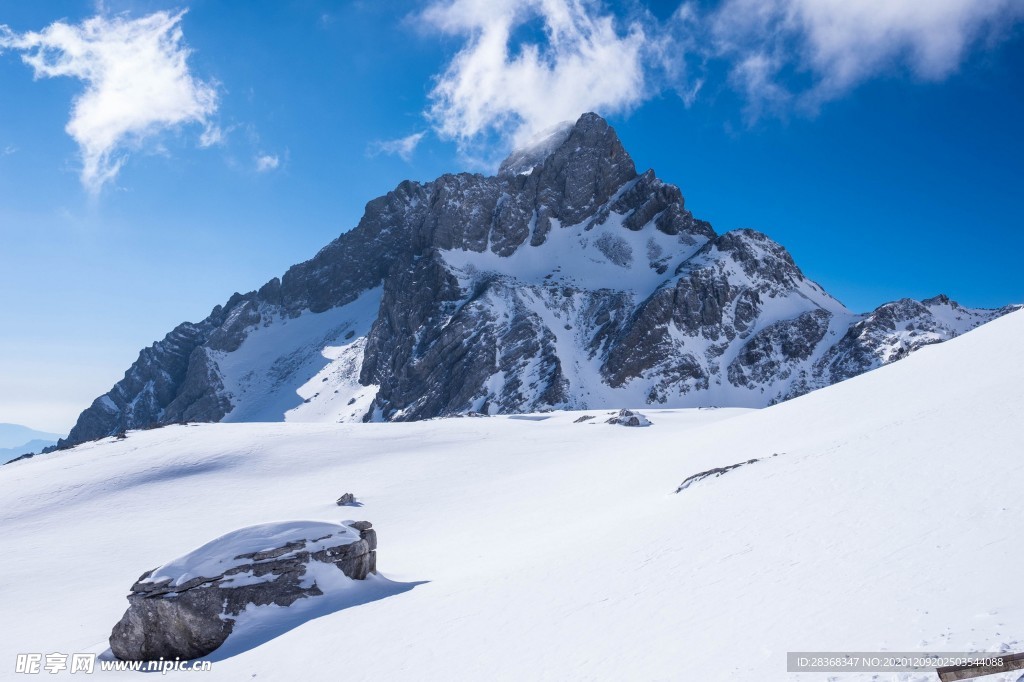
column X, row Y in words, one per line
column 566, row 281
column 533, row 547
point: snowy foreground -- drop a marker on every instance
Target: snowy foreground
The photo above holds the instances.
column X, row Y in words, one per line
column 536, row 548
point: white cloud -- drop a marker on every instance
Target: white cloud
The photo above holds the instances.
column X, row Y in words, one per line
column 137, row 83
column 212, row 136
column 403, row 146
column 525, row 65
column 754, row 75
column 267, row 162
column 840, row 44
column 584, row 61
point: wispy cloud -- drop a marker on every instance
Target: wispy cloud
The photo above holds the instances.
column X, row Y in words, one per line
column 212, row 136
column 267, row 162
column 137, row 83
column 836, row 45
column 403, row 147
column 585, row 59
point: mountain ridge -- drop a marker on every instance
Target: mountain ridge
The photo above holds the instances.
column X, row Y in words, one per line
column 567, row 280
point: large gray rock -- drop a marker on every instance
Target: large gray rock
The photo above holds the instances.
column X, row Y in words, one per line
column 188, row 607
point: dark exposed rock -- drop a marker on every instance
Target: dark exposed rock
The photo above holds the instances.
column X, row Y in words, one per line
column 775, row 351
column 715, row 473
column 151, row 383
column 27, row 455
column 348, row 499
column 188, row 607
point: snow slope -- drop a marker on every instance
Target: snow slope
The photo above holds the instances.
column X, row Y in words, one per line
column 304, row 368
column 540, row 548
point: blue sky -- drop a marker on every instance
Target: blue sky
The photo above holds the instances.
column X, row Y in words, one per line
column 156, row 157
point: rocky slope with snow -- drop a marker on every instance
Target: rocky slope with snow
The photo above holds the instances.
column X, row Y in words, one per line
column 566, row 281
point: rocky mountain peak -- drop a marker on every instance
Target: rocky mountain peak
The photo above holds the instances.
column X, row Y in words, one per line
column 565, row 281
column 590, row 140
column 522, row 160
column 941, row 299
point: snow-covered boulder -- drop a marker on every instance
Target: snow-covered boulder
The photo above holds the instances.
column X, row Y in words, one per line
column 188, row 607
column 628, row 418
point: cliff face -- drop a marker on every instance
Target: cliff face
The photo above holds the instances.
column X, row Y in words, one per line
column 568, row 280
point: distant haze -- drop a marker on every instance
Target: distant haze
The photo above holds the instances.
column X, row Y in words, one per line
column 13, row 435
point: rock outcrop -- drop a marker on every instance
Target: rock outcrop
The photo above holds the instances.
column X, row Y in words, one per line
column 566, row 281
column 628, row 418
column 716, row 472
column 188, row 607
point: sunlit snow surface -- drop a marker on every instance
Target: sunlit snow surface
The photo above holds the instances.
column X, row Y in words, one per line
column 229, row 551
column 547, row 549
column 303, row 369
